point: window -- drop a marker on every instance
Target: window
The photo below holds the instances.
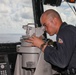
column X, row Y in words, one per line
column 13, row 15
column 67, row 13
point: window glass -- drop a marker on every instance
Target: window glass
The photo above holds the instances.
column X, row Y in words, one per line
column 13, row 15
column 66, row 11
column 16, row 13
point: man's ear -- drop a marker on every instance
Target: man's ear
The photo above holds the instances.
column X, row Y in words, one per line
column 55, row 21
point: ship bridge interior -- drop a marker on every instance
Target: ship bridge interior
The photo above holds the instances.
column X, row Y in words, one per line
column 8, row 51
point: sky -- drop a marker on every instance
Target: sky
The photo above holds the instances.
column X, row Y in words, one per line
column 16, row 13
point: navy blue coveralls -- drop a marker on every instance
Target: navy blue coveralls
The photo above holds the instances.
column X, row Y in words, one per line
column 65, row 53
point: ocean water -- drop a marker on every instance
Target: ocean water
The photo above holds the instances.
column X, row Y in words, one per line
column 10, row 38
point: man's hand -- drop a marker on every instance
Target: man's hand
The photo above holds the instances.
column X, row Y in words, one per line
column 35, row 41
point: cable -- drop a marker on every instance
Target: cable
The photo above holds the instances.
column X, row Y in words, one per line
column 74, row 8
column 71, row 8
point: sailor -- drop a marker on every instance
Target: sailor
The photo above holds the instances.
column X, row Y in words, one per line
column 64, row 55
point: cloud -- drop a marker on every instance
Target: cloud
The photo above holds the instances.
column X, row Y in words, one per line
column 65, row 12
column 15, row 13
column 4, row 9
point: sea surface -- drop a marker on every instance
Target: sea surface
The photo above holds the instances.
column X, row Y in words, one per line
column 10, row 38
column 13, row 38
